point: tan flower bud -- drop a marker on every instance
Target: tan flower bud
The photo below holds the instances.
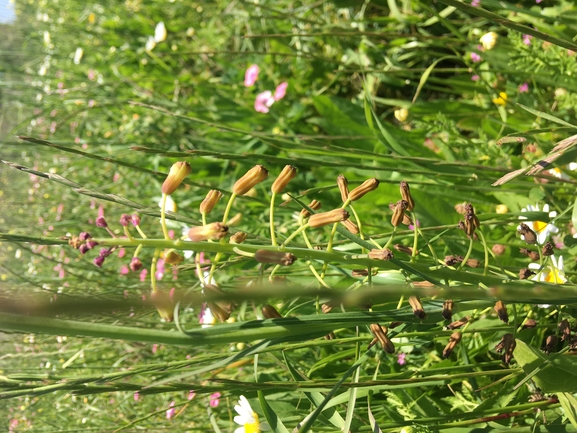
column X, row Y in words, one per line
column 235, row 220
column 501, row 311
column 238, row 238
column 376, row 254
column 270, row 312
column 550, row 344
column 404, row 249
column 287, row 174
column 528, row 235
column 172, row 257
column 529, row 324
column 326, row 218
column 398, row 213
column 176, row 175
column 328, row 306
column 406, row 195
column 380, row 333
column 220, row 309
column 343, row 185
column 275, row 257
column 210, row 201
column 453, row 341
column 314, row 205
column 489, row 40
column 213, row 231
column 359, row 273
column 163, row 304
column 499, row 249
column 457, row 324
column 366, row 187
column 533, row 255
column 252, row 177
column 417, row 307
column 473, row 263
column 351, row 226
column 447, row 312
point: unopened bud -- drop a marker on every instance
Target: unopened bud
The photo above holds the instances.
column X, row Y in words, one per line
column 210, row 201
column 447, row 312
column 270, row 312
column 406, row 195
column 91, row 244
column 252, row 178
column 401, row 114
column 525, row 273
column 213, row 231
column 172, row 257
column 287, row 174
column 124, row 220
column 380, row 333
column 163, row 304
column 135, row 220
column 417, row 307
column 529, row 324
column 533, row 255
column 457, row 324
column 398, row 213
column 238, row 238
column 527, row 234
column 101, row 222
column 453, row 341
column 473, row 263
column 176, row 175
column 550, row 344
column 404, row 249
column 84, row 236
column 366, row 187
column 377, row 254
column 343, row 185
column 498, row 249
column 220, row 309
column 326, row 218
column 314, row 205
column 351, row 226
column 548, row 249
column 501, row 311
column 83, row 249
column 135, row 264
column 275, row 257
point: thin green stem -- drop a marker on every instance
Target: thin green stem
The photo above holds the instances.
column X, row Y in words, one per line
column 163, row 217
column 272, row 234
column 228, row 208
column 466, row 255
column 153, row 270
column 390, row 241
column 293, row 235
column 415, row 237
column 486, row 248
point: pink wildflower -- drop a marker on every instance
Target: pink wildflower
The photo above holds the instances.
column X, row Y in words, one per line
column 214, row 399
column 475, row 77
column 280, row 91
column 124, row 270
column 263, row 101
column 251, row 75
column 401, row 358
column 154, row 348
column 143, row 275
column 171, row 411
column 524, row 88
column 475, row 3
column 476, row 58
column 171, row 234
column 136, row 396
column 527, row 39
column 159, row 269
column 121, row 253
column 191, row 395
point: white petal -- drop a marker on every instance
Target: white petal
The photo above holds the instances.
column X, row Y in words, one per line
column 239, row 430
column 545, row 208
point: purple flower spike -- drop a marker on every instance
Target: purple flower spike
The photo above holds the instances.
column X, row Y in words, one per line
column 101, row 222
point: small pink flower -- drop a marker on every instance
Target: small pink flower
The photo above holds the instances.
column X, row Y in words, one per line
column 475, row 77
column 124, row 270
column 527, row 39
column 191, row 395
column 100, row 211
column 171, row 411
column 251, row 75
column 538, row 1
column 412, row 227
column 524, row 88
column 214, row 399
column 121, row 253
column 154, row 348
column 476, row 58
column 159, row 269
column 263, row 101
column 475, row 3
column 401, row 358
column 171, row 294
column 280, row 91
column 143, row 275
column 116, row 177
column 171, row 234
column 136, row 396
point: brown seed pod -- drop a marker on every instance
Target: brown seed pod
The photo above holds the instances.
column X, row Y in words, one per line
column 457, row 324
column 351, row 226
column 528, row 235
column 529, row 324
column 406, row 195
column 507, row 346
column 447, row 312
column 547, row 249
column 417, row 307
column 366, row 187
column 398, row 213
column 565, row 330
column 453, row 341
column 380, row 333
column 502, row 311
column 376, row 254
column 550, row 344
column 525, row 273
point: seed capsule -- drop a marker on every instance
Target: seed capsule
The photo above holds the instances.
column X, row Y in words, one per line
column 406, row 195
column 326, row 218
column 366, row 187
column 548, row 249
column 314, row 205
column 453, row 341
column 502, row 311
column 176, row 175
column 380, row 333
column 287, row 174
column 533, row 255
column 343, row 185
column 252, row 178
column 275, row 257
column 385, row 254
column 529, row 324
column 457, row 324
column 270, row 312
column 550, row 344
column 447, row 312
column 527, row 234
column 417, row 307
column 507, row 344
column 213, row 231
column 210, row 201
column 238, row 238
column 351, row 226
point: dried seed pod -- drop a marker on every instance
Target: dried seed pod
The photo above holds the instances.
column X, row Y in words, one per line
column 238, row 238
column 457, row 324
column 547, row 249
column 533, row 255
column 366, row 187
column 527, row 234
column 453, row 260
column 275, row 257
column 287, row 174
column 502, row 311
column 210, row 201
column 525, row 273
column 473, row 263
column 328, row 306
column 507, row 344
column 406, row 195
column 351, row 226
column 270, row 312
column 385, row 254
column 343, row 185
column 380, row 333
column 398, row 213
column 326, row 218
column 470, row 212
column 172, row 257
column 529, row 324
column 212, row 231
column 163, row 304
column 453, row 341
column 176, row 175
column 550, row 344
column 252, row 178
column 498, row 249
column 565, row 330
column 417, row 307
column 447, row 312
column 314, row 205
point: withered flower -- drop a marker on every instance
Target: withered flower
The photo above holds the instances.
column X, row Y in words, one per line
column 252, row 178
column 212, row 231
column 270, row 312
column 380, row 333
column 326, row 218
column 399, row 213
column 529, row 324
column 457, row 324
column 417, row 307
column 376, row 254
column 501, row 311
column 75, row 241
column 525, row 273
column 528, row 234
column 473, row 263
column 366, row 187
column 453, row 260
column 447, row 312
column 351, row 226
column 176, row 175
column 565, row 330
column 287, row 174
column 453, row 341
column 550, row 344
column 406, row 195
column 275, row 257
column 548, row 249
column 533, row 255
column 163, row 304
column 507, row 344
column 210, row 201
column 343, row 185
column 135, row 264
column 314, row 205
column 238, row 238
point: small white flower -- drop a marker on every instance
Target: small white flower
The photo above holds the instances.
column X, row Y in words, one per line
column 541, row 229
column 553, row 273
column 489, row 40
column 78, row 55
column 207, row 319
column 46, row 38
column 247, row 418
column 160, row 32
column 150, row 44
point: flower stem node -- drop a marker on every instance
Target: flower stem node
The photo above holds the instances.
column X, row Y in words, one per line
column 287, row 174
column 417, row 307
column 163, row 304
column 270, row 312
column 453, row 341
column 326, row 218
column 314, row 205
column 377, row 254
column 176, row 175
column 275, row 257
column 213, row 231
column 366, row 187
column 501, row 311
column 252, row 178
column 406, row 195
column 210, row 201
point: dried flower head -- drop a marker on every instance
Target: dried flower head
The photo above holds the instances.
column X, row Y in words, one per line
column 252, row 178
column 533, row 255
column 176, row 175
column 417, row 307
column 380, row 333
column 210, row 201
column 565, row 329
column 447, row 312
column 287, row 174
column 507, row 344
column 529, row 235
column 457, row 324
column 529, row 324
column 406, row 195
column 453, row 341
column 404, row 249
column 326, row 218
column 501, row 311
column 399, row 213
column 525, row 273
column 135, row 264
column 238, row 238
column 550, row 344
column 213, row 231
column 548, row 249
column 366, row 187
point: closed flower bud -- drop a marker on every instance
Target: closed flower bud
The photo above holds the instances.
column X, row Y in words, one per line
column 91, row 244
column 359, row 273
column 238, row 238
column 101, row 222
column 314, row 205
column 417, row 307
column 276, row 257
column 398, row 213
column 135, row 264
column 404, row 249
column 330, row 217
column 176, row 175
column 270, row 312
column 528, row 235
column 83, row 249
column 489, row 40
column 213, row 231
column 210, row 201
column 529, row 324
column 473, row 263
column 401, row 114
column 458, row 323
column 351, row 226
column 125, row 220
column 548, row 249
column 220, row 309
column 172, row 257
column 252, row 177
column 163, row 304
column 366, row 187
column 380, row 333
column 99, row 261
column 453, row 341
column 135, row 220
column 376, row 254
column 328, row 306
column 84, row 236
column 498, row 249
column 447, row 312
column 406, row 195
column 525, row 273
column 501, row 311
column 343, row 185
column 287, row 174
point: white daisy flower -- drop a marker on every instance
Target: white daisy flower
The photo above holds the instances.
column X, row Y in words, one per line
column 150, row 44
column 542, row 229
column 160, row 32
column 553, row 273
column 247, row 418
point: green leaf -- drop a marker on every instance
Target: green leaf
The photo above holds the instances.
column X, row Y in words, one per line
column 569, row 404
column 546, row 116
column 273, row 420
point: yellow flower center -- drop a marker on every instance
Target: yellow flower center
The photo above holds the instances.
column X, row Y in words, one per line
column 539, row 226
column 253, row 427
column 554, row 277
